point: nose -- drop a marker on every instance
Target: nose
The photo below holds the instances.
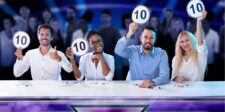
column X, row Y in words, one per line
column 148, row 40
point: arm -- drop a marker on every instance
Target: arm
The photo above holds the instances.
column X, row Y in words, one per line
column 105, row 67
column 64, row 63
column 163, row 74
column 76, row 71
column 163, row 71
column 111, row 64
column 61, row 59
column 175, row 76
column 22, row 63
column 121, row 47
column 107, row 63
column 199, row 31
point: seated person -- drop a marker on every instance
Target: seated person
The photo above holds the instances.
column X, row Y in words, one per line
column 95, row 65
column 147, row 63
column 45, row 62
column 190, row 60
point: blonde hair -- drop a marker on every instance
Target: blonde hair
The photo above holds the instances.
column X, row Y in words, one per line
column 179, row 52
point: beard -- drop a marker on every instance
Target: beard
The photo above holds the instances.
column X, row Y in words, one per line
column 44, row 42
column 147, row 46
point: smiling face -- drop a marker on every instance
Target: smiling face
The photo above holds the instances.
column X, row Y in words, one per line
column 147, row 39
column 44, row 36
column 185, row 43
column 96, row 43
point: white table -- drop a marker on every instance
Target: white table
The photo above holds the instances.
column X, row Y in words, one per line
column 108, row 89
column 110, row 94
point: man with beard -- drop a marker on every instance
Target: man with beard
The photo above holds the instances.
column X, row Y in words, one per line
column 147, row 63
column 45, row 62
column 95, row 65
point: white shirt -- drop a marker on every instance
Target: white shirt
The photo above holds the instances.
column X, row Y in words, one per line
column 42, row 66
column 90, row 72
column 212, row 42
column 189, row 69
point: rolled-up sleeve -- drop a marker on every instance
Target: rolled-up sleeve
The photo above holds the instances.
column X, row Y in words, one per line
column 64, row 63
column 21, row 66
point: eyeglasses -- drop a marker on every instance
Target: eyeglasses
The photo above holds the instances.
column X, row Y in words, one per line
column 93, row 43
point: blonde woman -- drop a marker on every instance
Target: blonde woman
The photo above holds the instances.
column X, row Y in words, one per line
column 189, row 62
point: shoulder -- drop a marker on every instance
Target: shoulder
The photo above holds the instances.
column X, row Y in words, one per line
column 77, row 31
column 108, row 56
column 159, row 50
column 32, row 51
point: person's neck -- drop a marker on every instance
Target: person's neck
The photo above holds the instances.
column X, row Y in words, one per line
column 44, row 49
column 147, row 52
column 187, row 54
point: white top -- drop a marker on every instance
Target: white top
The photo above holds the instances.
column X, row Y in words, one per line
column 212, row 42
column 90, row 72
column 189, row 69
column 42, row 66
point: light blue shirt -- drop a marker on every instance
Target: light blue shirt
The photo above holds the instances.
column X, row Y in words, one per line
column 152, row 67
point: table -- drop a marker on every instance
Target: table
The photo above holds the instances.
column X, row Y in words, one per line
column 108, row 95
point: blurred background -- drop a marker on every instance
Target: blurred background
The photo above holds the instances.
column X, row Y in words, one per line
column 73, row 19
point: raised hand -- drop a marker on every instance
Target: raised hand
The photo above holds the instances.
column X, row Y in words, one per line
column 19, row 53
column 54, row 55
column 132, row 28
column 96, row 57
column 203, row 16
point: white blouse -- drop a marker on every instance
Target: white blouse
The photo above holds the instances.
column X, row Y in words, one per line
column 189, row 69
column 90, row 72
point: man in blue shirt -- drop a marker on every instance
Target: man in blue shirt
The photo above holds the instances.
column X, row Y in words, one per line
column 147, row 63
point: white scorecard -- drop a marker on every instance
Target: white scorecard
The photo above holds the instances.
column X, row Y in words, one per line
column 79, row 46
column 141, row 14
column 21, row 39
column 195, row 8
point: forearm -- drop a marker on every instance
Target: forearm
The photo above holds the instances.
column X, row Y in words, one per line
column 76, row 71
column 105, row 67
column 199, row 32
column 19, row 68
column 65, row 64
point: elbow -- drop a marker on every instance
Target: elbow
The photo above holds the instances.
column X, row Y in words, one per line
column 109, row 76
column 16, row 73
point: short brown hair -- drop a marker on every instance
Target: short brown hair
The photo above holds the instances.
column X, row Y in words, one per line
column 45, row 26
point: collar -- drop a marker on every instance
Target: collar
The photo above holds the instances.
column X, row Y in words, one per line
column 141, row 50
column 49, row 51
